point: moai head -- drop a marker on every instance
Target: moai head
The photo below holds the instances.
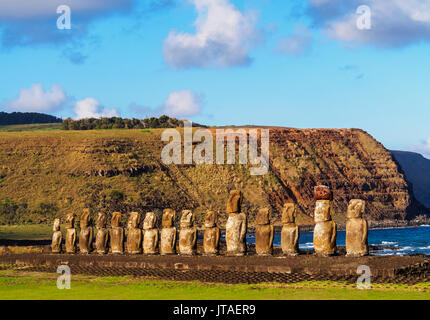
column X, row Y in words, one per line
column 187, row 219
column 56, row 226
column 133, row 220
column 289, row 213
column 234, row 202
column 168, row 219
column 263, row 216
column 211, row 219
column 116, row 219
column 356, row 208
column 323, row 211
column 322, row 192
column 85, row 218
column 70, row 220
column 101, row 220
column 150, row 220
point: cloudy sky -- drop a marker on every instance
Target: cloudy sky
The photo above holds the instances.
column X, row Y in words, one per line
column 297, row 63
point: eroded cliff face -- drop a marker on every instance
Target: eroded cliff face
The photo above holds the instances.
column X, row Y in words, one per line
column 121, row 170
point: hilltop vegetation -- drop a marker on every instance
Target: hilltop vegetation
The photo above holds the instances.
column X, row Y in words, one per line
column 26, row 118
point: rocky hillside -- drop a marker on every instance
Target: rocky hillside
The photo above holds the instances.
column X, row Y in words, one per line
column 64, row 171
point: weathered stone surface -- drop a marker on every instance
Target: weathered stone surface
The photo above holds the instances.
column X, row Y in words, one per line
column 86, row 236
column 356, row 229
column 235, row 234
column 57, row 237
column 150, row 234
column 102, row 236
column 322, row 192
column 70, row 233
column 325, row 228
column 187, row 234
column 263, row 233
column 116, row 234
column 234, row 202
column 290, row 231
column 211, row 235
column 168, row 233
column 134, row 234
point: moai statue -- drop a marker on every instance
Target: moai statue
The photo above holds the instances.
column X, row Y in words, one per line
column 117, row 234
column 102, row 234
column 70, row 233
column 263, row 233
column 290, row 231
column 57, row 237
column 134, row 234
column 168, row 233
column 86, row 236
column 212, row 233
column 150, row 234
column 325, row 228
column 187, row 234
column 356, row 229
column 235, row 233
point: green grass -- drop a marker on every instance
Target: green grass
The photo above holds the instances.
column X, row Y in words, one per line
column 31, row 127
column 26, row 285
column 26, row 232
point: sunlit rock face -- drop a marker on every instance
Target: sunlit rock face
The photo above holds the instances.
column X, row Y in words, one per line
column 116, row 234
column 236, row 227
column 86, row 236
column 70, row 233
column 290, row 231
column 168, row 233
column 263, row 233
column 102, row 236
column 356, row 229
column 57, row 237
column 187, row 234
column 211, row 235
column 134, row 234
column 150, row 234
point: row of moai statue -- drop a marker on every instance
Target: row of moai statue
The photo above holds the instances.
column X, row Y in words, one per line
column 147, row 241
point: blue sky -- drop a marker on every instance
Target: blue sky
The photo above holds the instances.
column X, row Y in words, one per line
column 301, row 64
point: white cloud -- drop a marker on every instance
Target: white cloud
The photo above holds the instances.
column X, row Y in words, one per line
column 224, row 35
column 298, row 43
column 91, row 108
column 423, row 148
column 36, row 99
column 395, row 23
column 183, row 103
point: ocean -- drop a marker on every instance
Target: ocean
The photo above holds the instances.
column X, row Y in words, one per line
column 396, row 241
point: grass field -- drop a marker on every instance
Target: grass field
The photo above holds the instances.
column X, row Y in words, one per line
column 31, row 127
column 26, row 232
column 31, row 285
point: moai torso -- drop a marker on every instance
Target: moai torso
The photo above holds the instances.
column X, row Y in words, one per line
column 116, row 234
column 325, row 228
column 150, row 234
column 168, row 233
column 87, row 234
column 235, row 233
column 290, row 231
column 263, row 233
column 102, row 234
column 70, row 234
column 211, row 235
column 134, row 234
column 187, row 234
column 57, row 237
column 356, row 229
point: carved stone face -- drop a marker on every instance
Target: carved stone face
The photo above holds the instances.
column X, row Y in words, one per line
column 263, row 216
column 356, row 208
column 133, row 220
column 85, row 217
column 323, row 211
column 168, row 218
column 234, row 202
column 211, row 219
column 150, row 220
column 70, row 221
column 56, row 226
column 187, row 219
column 322, row 193
column 289, row 213
column 116, row 219
column 101, row 220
